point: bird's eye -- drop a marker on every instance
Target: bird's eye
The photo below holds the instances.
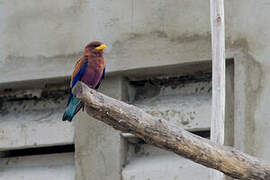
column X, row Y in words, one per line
column 94, row 45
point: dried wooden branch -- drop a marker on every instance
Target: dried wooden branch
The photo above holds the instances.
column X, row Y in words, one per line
column 161, row 133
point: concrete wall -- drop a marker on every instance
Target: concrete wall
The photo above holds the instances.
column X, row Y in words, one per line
column 43, row 167
column 41, row 40
column 147, row 162
column 48, row 36
column 29, row 121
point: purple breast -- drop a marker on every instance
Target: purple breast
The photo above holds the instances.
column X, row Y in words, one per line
column 91, row 77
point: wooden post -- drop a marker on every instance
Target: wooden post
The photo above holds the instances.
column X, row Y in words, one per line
column 218, row 76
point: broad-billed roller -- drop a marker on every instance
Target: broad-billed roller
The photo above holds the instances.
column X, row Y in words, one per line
column 89, row 69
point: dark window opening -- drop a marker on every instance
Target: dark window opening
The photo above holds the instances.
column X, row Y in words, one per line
column 39, row 151
column 204, row 134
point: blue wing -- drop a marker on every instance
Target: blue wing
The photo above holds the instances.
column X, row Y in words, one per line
column 77, row 78
column 74, row 104
column 102, row 77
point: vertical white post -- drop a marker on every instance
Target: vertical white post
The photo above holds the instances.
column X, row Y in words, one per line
column 218, row 76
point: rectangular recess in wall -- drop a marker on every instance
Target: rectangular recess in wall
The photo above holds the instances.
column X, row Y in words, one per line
column 184, row 100
column 30, row 116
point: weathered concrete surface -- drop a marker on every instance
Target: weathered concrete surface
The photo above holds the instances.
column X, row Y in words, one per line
column 138, row 33
column 43, row 39
column 249, row 33
column 184, row 103
column 33, row 119
column 146, row 162
column 42, row 167
column 99, row 149
column 251, row 119
column 34, row 130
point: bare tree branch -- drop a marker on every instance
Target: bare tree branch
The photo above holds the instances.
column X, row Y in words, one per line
column 161, row 133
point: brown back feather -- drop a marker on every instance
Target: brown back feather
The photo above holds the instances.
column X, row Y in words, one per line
column 77, row 68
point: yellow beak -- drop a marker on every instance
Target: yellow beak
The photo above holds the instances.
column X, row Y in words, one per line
column 101, row 47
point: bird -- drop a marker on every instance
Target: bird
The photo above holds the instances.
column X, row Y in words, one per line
column 90, row 69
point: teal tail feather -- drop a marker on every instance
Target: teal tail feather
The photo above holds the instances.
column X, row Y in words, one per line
column 73, row 107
